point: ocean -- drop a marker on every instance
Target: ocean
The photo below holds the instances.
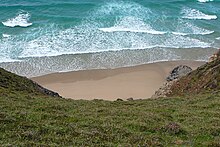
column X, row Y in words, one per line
column 38, row 37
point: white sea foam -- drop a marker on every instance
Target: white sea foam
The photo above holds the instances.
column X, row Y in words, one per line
column 137, row 25
column 6, row 35
column 206, row 33
column 132, row 24
column 193, row 33
column 123, row 8
column 204, row 1
column 9, row 48
column 218, row 38
column 184, row 42
column 21, row 20
column 179, row 33
column 93, row 36
column 121, row 29
column 5, row 59
column 187, row 28
column 93, row 41
column 86, row 38
column 189, row 13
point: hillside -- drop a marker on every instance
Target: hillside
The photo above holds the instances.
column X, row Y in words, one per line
column 30, row 118
column 10, row 82
column 205, row 79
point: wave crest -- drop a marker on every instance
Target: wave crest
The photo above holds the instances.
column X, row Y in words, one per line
column 204, row 1
column 132, row 24
column 122, row 9
column 186, row 28
column 21, row 20
column 189, row 13
column 137, row 25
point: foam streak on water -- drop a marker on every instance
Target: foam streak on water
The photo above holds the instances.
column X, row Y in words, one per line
column 205, row 1
column 132, row 24
column 189, row 13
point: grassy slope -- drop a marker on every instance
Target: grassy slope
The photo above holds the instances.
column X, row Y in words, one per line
column 28, row 118
column 11, row 83
column 205, row 79
column 34, row 120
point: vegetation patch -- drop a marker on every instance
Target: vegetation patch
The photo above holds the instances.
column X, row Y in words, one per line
column 35, row 120
column 205, row 79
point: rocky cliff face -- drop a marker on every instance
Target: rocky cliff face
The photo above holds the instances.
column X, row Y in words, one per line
column 11, row 82
column 175, row 74
column 204, row 79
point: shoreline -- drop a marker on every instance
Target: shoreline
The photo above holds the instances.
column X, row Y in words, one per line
column 39, row 66
column 137, row 82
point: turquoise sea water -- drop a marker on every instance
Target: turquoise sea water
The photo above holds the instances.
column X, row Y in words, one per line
column 38, row 32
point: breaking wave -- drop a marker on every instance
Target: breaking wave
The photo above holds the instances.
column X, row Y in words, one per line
column 132, row 24
column 21, row 20
column 189, row 13
column 204, row 1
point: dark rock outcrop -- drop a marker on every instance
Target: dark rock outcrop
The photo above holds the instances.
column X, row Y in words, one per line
column 46, row 91
column 119, row 100
column 164, row 90
column 130, row 99
column 215, row 56
column 178, row 72
column 175, row 74
column 205, row 79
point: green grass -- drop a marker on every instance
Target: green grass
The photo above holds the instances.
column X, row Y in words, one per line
column 205, row 79
column 27, row 120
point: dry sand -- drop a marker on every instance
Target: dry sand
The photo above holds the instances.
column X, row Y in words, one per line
column 109, row 84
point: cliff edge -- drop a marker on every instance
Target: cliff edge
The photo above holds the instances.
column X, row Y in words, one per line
column 204, row 79
column 10, row 82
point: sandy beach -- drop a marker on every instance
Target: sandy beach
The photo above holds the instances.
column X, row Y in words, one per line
column 109, row 84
